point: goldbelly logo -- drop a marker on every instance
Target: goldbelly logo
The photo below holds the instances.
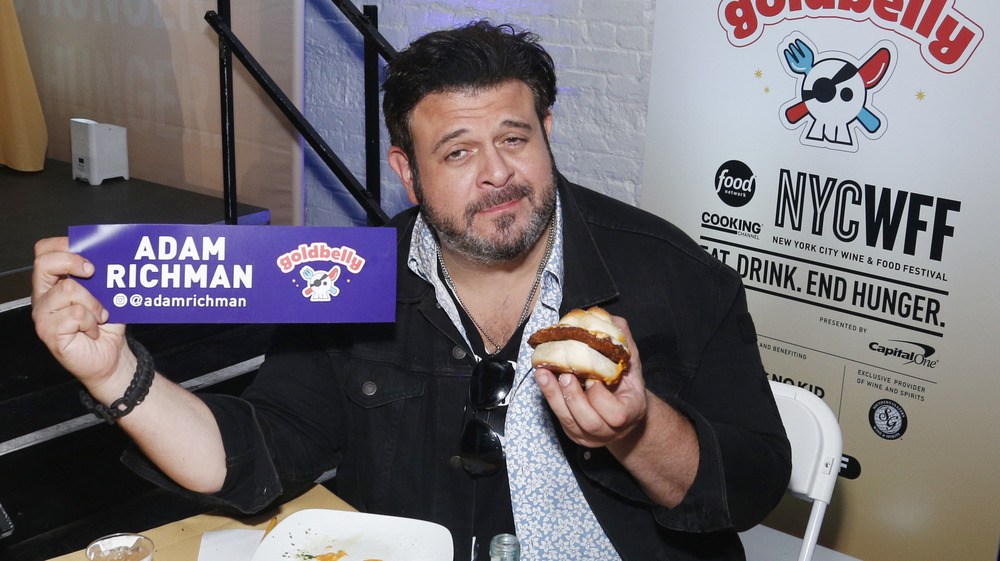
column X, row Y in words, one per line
column 946, row 37
column 320, row 284
column 836, row 93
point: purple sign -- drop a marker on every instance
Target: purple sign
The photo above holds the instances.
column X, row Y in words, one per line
column 173, row 273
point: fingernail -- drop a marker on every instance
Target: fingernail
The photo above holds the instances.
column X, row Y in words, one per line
column 588, row 383
column 105, row 315
column 565, row 379
column 541, row 378
column 88, row 268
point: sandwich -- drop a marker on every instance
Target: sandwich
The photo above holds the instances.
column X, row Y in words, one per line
column 584, row 343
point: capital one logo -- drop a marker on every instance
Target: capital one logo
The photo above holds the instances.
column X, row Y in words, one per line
column 835, row 100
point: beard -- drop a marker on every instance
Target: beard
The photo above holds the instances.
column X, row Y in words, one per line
column 509, row 239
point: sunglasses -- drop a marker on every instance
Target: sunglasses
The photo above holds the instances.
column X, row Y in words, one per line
column 480, row 448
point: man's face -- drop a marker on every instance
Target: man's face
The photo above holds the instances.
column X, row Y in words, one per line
column 486, row 179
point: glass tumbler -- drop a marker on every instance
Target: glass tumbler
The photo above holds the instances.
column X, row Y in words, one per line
column 121, row 547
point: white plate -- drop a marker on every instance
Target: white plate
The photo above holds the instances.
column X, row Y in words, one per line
column 314, row 532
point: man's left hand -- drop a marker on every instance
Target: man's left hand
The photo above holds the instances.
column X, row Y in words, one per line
column 653, row 441
column 596, row 415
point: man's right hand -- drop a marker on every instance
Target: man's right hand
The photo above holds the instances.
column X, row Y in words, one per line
column 174, row 428
column 71, row 322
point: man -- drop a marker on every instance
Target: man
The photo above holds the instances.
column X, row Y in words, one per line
column 669, row 463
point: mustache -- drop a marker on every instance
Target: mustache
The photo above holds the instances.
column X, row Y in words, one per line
column 498, row 197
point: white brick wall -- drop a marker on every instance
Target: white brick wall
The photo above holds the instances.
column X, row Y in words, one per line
column 602, row 50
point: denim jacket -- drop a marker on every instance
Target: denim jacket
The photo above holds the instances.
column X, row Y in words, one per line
column 383, row 403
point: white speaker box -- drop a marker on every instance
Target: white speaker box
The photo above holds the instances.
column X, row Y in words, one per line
column 100, row 151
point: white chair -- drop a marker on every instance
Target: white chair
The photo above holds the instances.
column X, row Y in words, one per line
column 817, row 449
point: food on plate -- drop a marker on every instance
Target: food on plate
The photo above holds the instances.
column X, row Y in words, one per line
column 330, row 556
column 584, row 343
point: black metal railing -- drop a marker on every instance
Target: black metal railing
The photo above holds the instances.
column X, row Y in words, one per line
column 375, row 45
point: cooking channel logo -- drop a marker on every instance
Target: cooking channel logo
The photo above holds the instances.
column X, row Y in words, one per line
column 835, row 100
column 320, row 280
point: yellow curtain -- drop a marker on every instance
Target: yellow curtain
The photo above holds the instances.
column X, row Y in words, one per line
column 23, row 138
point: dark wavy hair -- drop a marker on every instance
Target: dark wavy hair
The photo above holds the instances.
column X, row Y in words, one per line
column 477, row 56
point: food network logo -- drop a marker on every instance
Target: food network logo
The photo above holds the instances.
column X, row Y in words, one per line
column 735, row 183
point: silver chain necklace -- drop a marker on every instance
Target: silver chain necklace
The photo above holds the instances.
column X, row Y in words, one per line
column 531, row 295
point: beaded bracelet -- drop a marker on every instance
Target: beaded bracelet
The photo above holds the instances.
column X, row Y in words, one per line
column 134, row 394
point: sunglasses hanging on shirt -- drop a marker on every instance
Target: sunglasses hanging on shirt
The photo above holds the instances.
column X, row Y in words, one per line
column 480, row 448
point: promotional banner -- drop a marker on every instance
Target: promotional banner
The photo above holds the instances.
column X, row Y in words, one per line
column 169, row 273
column 839, row 155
